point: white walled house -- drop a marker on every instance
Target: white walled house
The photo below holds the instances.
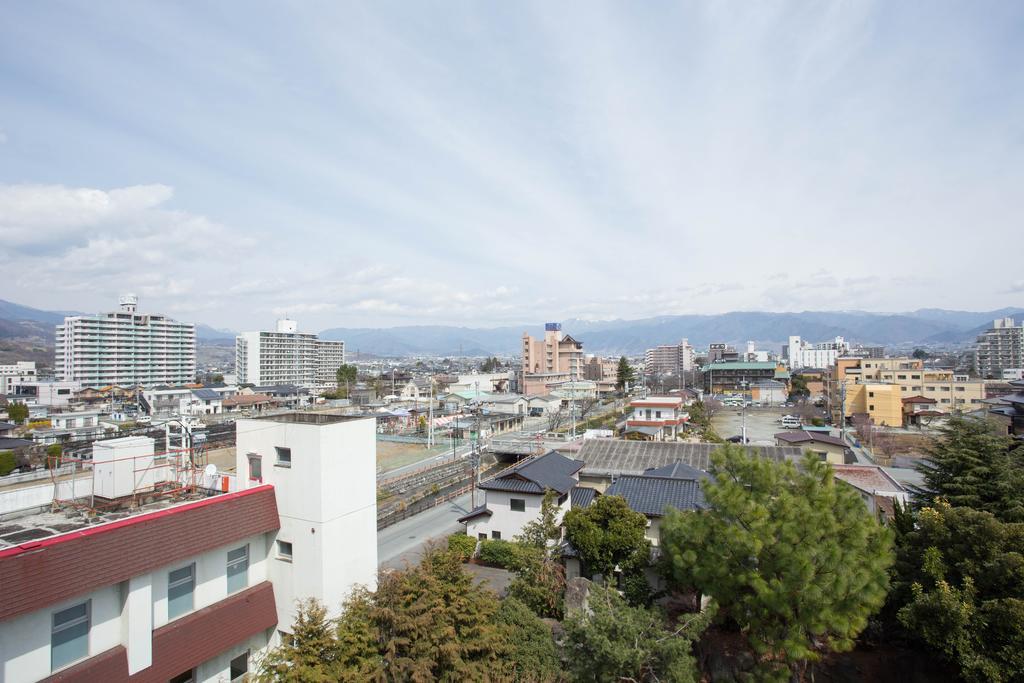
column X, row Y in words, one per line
column 513, row 497
column 659, row 417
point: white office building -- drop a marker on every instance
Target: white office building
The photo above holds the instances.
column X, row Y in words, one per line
column 800, row 354
column 125, row 348
column 16, row 373
column 287, row 356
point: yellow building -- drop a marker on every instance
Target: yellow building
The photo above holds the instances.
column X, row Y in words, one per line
column 866, row 381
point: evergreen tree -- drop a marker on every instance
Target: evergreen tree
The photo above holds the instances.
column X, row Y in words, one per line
column 310, row 654
column 17, row 412
column 792, row 557
column 607, row 534
column 614, row 641
column 623, row 375
column 540, row 532
column 425, row 623
column 959, row 588
column 536, row 657
column 970, row 465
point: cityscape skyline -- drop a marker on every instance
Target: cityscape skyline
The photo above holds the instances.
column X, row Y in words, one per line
column 386, row 165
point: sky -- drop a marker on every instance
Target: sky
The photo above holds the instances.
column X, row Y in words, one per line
column 483, row 164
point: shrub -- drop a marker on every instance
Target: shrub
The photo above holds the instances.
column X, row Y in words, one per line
column 499, row 553
column 7, row 463
column 462, row 545
column 53, row 455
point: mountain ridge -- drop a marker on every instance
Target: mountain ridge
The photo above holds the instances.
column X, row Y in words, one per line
column 618, row 336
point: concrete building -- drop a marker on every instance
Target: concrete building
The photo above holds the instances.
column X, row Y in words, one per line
column 798, row 354
column 49, row 393
column 513, row 498
column 287, row 356
column 722, row 352
column 125, row 348
column 740, row 376
column 16, row 373
column 1000, row 348
column 669, row 359
column 546, row 359
column 877, row 387
column 195, row 586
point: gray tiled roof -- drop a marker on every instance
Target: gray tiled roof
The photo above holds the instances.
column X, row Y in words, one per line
column 535, row 475
column 206, row 394
column 582, row 496
column 618, row 456
column 651, row 495
column 474, row 513
column 809, row 437
column 677, row 470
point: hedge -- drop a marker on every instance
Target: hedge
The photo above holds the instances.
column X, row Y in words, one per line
column 7, row 463
column 500, row 553
column 462, row 545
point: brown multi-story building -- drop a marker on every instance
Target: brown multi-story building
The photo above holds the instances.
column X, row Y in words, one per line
column 556, row 354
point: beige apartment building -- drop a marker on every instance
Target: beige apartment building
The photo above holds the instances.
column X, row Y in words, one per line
column 878, row 387
column 553, row 357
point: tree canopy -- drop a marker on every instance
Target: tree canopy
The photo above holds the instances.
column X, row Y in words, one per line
column 623, row 374
column 616, row 641
column 791, row 556
column 959, row 589
column 970, row 465
column 17, row 412
column 425, row 623
column 607, row 534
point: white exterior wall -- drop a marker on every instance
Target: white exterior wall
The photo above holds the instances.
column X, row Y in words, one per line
column 287, row 357
column 510, row 524
column 125, row 349
column 327, row 502
column 127, row 613
column 16, row 373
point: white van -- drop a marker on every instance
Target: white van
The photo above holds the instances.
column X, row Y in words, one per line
column 791, row 422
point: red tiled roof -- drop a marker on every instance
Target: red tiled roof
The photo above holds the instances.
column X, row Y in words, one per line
column 187, row 642
column 868, row 478
column 246, row 399
column 919, row 399
column 36, row 574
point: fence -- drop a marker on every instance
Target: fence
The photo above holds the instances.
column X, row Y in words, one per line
column 419, row 506
column 36, row 474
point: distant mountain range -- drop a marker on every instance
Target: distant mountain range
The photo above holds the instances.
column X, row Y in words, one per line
column 926, row 326
column 23, row 322
column 768, row 330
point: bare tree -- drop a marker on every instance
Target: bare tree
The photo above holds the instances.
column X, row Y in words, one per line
column 555, row 419
column 885, row 442
column 585, row 406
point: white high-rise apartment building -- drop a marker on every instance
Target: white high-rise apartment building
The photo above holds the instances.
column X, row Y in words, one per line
column 287, row 356
column 800, row 354
column 669, row 359
column 1000, row 348
column 125, row 348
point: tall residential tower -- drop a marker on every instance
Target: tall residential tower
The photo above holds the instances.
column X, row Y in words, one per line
column 125, row 348
column 287, row 356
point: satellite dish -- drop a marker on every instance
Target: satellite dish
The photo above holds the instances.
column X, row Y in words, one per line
column 211, row 470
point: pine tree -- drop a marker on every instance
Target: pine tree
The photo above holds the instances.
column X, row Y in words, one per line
column 969, row 465
column 310, row 654
column 792, row 557
column 623, row 375
column 615, row 641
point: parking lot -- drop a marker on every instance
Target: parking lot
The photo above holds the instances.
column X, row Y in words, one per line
column 762, row 424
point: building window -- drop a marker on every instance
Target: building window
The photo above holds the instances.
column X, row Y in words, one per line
column 562, row 498
column 517, row 504
column 284, row 456
column 255, row 467
column 238, row 568
column 284, row 550
column 496, row 535
column 69, row 638
column 481, row 536
column 181, row 586
column 239, row 667
column 187, row 677
column 871, row 407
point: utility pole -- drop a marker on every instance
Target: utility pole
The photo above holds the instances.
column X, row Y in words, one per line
column 430, row 413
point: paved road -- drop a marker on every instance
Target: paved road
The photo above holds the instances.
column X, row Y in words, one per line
column 403, row 542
